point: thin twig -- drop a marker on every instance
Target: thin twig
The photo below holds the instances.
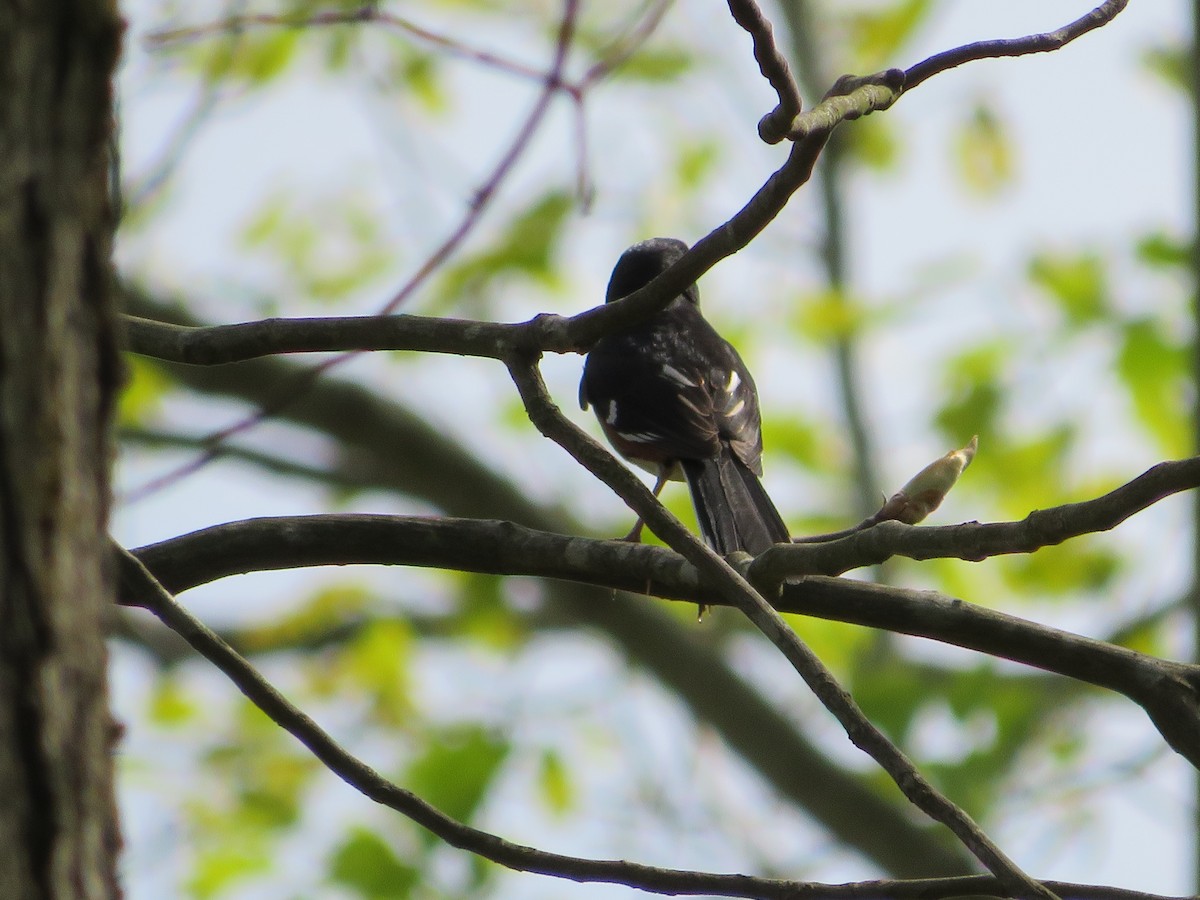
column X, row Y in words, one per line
column 332, row 476
column 1022, row 46
column 368, row 13
column 611, row 58
column 203, row 106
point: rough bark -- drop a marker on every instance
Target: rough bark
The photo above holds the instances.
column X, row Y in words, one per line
column 57, row 376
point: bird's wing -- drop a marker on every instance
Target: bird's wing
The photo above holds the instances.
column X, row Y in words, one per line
column 651, row 400
column 732, row 395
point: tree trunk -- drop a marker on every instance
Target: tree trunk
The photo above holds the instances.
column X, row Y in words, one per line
column 58, row 368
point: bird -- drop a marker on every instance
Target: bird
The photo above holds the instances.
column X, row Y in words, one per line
column 674, row 397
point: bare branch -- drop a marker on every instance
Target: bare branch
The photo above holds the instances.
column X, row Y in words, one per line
column 620, row 50
column 1169, row 691
column 1022, row 46
column 221, row 344
column 156, row 599
column 333, row 475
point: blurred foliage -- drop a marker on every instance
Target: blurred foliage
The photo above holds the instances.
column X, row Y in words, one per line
column 983, row 153
column 527, row 251
column 875, row 34
column 1171, row 65
column 874, row 144
column 366, row 865
column 455, row 772
column 145, row 391
column 1154, row 369
column 334, row 248
column 1078, row 284
column 388, row 672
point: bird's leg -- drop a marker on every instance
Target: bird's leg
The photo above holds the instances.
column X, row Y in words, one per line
column 635, row 533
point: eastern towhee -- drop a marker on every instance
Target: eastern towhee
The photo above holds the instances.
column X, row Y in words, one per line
column 674, row 397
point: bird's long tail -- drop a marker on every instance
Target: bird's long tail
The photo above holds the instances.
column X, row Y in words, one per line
column 732, row 507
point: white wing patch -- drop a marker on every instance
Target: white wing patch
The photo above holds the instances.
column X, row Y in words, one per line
column 731, row 404
column 676, row 376
column 640, row 437
column 611, row 418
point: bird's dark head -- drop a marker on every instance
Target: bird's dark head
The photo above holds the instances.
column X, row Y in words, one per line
column 642, row 263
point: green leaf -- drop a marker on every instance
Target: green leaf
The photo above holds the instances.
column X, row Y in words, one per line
column 1061, row 570
column 327, row 248
column 275, row 786
column 872, row 142
column 829, row 315
column 365, row 864
column 143, row 393
column 267, row 222
column 697, row 160
column 263, row 60
column 1171, row 64
column 533, row 236
column 420, row 73
column 656, row 64
column 890, row 692
column 298, row 10
column 839, row 645
column 219, row 867
column 340, row 40
column 169, row 704
column 254, row 57
column 972, row 410
column 330, row 608
column 997, row 713
column 1162, row 251
column 555, row 783
column 877, row 36
column 1025, row 470
column 804, row 440
column 527, row 247
column 973, row 393
column 456, row 771
column 1077, row 283
column 377, row 660
column 481, row 613
column 983, row 153
column 1154, row 369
